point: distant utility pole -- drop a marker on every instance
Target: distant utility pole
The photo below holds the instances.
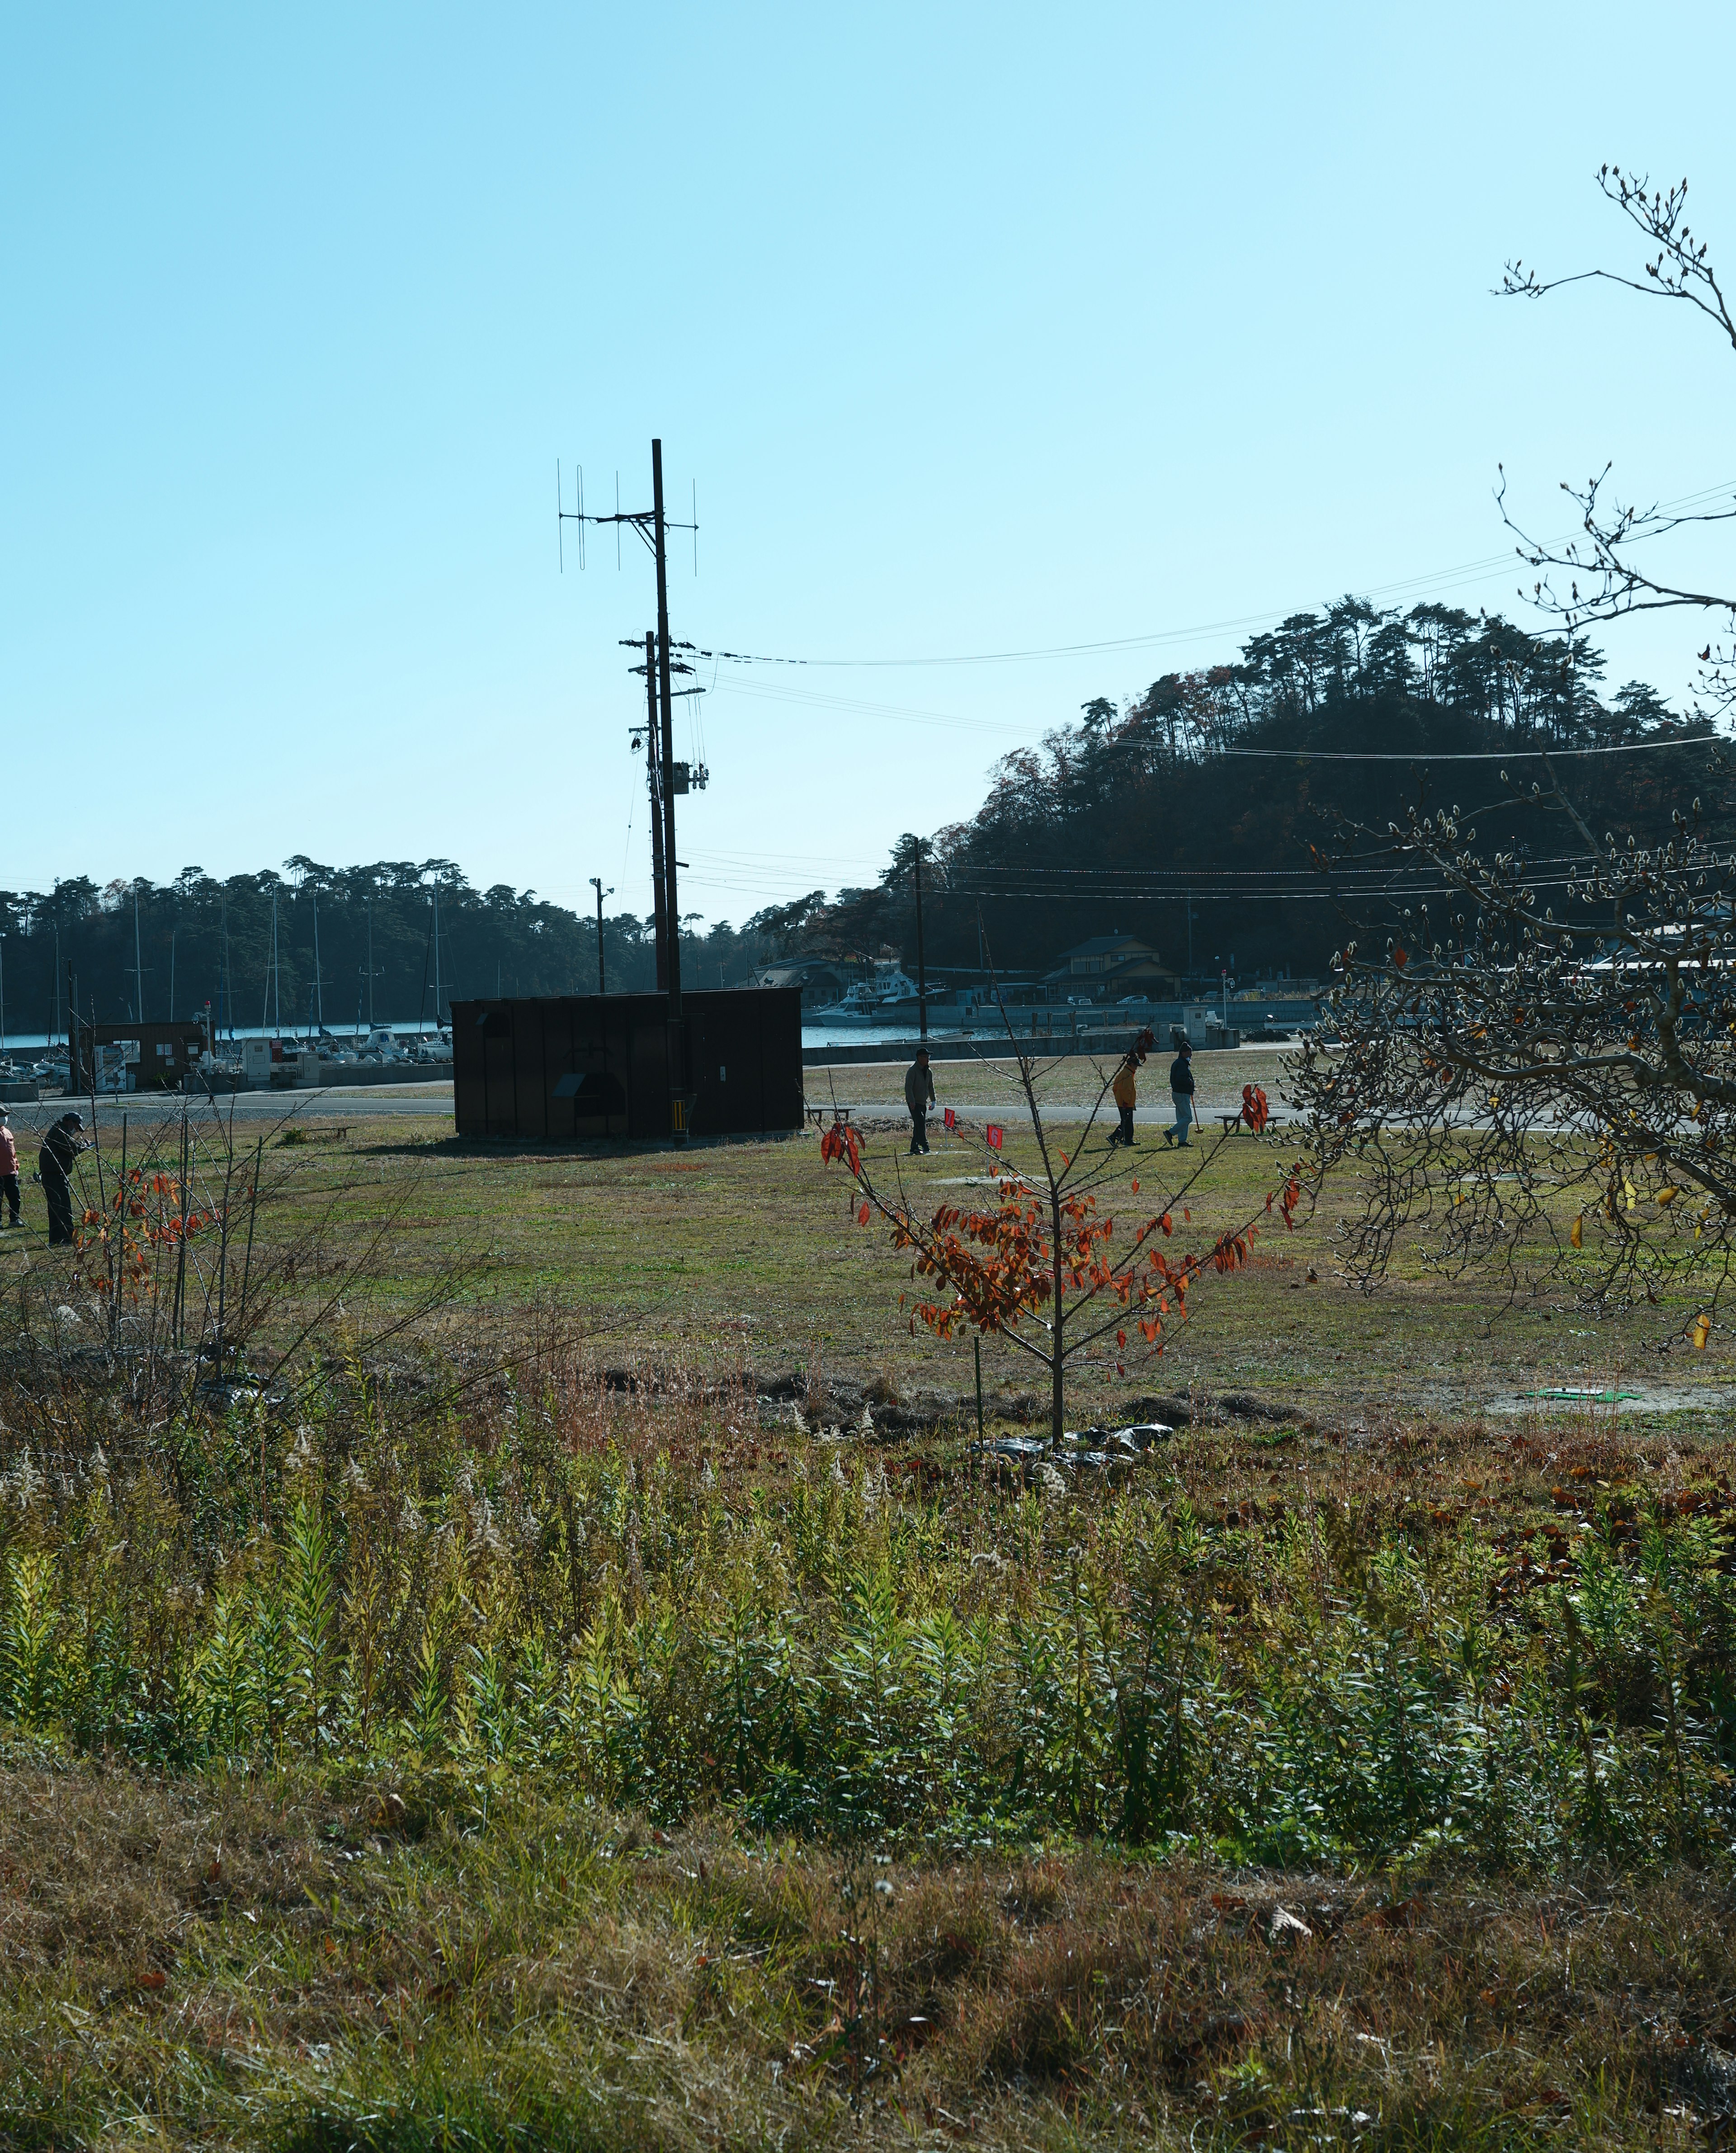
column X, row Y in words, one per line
column 653, row 526
column 597, row 884
column 922, row 971
column 138, row 963
column 318, row 986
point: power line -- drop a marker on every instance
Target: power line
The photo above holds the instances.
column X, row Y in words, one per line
column 1470, row 571
column 1186, row 877
column 1326, row 887
column 905, row 714
column 1478, row 755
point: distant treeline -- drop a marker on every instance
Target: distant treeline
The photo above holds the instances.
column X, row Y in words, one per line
column 202, row 941
column 1132, row 816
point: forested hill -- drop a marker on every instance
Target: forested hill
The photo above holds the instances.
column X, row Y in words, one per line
column 1127, row 820
column 1124, row 819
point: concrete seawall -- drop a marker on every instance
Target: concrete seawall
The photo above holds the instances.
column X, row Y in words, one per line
column 1107, row 1032
column 992, row 1046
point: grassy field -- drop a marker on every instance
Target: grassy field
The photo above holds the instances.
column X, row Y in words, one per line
column 468, row 1751
column 746, row 1255
column 1069, row 1083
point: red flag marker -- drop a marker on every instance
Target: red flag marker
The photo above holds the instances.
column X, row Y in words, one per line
column 950, row 1119
column 991, row 1136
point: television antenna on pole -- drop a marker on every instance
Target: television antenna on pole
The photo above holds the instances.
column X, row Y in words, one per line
column 653, row 526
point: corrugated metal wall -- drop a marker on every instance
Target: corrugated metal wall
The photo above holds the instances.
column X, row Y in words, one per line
column 598, row 1064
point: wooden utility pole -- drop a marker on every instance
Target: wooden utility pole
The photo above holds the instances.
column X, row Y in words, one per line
column 653, row 526
column 670, row 906
column 672, row 909
column 656, row 782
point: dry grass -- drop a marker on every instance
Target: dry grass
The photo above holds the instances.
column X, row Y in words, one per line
column 220, row 1963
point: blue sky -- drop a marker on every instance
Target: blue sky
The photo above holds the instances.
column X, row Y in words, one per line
column 977, row 329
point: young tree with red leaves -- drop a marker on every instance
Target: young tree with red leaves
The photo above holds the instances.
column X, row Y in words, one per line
column 1044, row 1268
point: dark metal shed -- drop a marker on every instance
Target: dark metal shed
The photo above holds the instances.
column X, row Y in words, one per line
column 599, row 1065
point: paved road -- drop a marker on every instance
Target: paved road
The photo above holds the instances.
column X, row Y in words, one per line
column 432, row 1102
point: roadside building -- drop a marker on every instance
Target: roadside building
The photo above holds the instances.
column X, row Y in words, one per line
column 1110, row 968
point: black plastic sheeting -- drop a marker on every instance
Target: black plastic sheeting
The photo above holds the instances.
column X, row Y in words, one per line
column 586, row 1066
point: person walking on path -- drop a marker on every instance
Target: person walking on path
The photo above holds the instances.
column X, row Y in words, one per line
column 918, row 1097
column 9, row 1170
column 1125, row 1087
column 1181, row 1090
column 54, row 1170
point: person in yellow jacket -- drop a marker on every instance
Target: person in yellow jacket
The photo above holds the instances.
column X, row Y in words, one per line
column 1125, row 1087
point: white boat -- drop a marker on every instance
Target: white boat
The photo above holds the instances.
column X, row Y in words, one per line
column 381, row 1045
column 870, row 1001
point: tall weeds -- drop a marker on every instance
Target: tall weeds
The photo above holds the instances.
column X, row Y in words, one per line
column 659, row 1606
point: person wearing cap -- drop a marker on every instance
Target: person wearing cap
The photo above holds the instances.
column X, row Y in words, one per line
column 918, row 1097
column 54, row 1170
column 1125, row 1087
column 9, row 1170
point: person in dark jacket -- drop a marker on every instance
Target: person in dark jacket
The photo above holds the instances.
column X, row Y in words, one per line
column 918, row 1097
column 1181, row 1091
column 54, row 1170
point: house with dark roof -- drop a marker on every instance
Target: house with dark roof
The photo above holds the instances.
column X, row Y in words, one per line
column 1109, row 969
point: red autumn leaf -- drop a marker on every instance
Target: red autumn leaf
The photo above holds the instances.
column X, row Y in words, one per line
column 862, row 1216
